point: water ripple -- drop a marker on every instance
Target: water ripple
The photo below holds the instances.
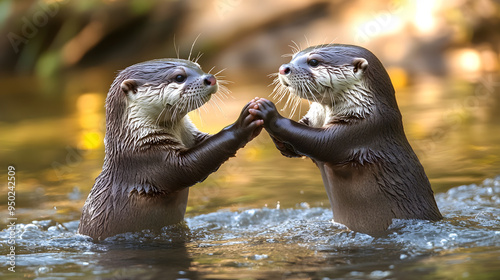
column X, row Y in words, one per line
column 471, row 220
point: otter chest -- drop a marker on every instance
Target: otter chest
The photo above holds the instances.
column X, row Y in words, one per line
column 184, row 135
column 318, row 115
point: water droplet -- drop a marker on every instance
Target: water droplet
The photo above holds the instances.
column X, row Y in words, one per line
column 43, row 269
column 260, row 257
column 380, row 274
column 356, row 273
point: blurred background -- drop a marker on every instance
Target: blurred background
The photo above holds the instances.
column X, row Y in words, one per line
column 58, row 59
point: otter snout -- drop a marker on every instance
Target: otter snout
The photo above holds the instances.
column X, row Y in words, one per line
column 210, row 80
column 285, row 69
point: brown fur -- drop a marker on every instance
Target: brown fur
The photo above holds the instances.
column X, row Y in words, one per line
column 151, row 161
column 354, row 133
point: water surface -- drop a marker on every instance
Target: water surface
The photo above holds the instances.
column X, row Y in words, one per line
column 261, row 216
column 271, row 243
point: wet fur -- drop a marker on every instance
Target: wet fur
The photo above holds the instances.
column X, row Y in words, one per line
column 354, row 133
column 153, row 151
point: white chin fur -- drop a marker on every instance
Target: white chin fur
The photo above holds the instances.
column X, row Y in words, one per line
column 337, row 88
column 166, row 105
column 148, row 107
column 171, row 94
column 284, row 80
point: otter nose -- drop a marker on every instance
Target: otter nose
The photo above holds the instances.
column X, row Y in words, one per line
column 285, row 69
column 210, row 80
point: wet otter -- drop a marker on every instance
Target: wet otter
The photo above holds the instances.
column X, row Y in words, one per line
column 354, row 133
column 153, row 151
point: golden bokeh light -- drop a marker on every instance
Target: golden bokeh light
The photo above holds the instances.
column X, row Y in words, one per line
column 399, row 77
column 90, row 116
column 424, row 18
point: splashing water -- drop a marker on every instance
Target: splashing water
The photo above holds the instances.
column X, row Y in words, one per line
column 271, row 243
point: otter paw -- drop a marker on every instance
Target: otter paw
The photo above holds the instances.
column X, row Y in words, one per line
column 264, row 109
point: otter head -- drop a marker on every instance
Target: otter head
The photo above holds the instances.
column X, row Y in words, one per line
column 161, row 92
column 346, row 78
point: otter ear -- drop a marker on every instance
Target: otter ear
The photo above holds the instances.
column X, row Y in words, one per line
column 130, row 86
column 360, row 64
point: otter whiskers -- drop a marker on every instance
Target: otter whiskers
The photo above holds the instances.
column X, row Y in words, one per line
column 293, row 93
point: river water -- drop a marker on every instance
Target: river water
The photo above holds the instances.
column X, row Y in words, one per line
column 261, row 216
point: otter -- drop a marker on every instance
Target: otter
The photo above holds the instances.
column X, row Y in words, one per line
column 354, row 133
column 153, row 152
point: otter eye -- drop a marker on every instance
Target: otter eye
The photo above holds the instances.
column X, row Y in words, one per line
column 313, row 62
column 180, row 78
